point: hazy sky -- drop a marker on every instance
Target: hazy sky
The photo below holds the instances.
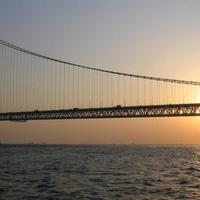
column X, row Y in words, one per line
column 154, row 38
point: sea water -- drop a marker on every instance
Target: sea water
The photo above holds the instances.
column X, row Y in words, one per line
column 99, row 172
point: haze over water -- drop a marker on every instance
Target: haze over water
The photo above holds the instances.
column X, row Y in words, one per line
column 99, row 172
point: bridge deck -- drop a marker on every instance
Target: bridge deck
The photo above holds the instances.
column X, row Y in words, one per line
column 171, row 110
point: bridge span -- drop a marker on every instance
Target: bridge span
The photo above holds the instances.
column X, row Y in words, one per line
column 171, row 110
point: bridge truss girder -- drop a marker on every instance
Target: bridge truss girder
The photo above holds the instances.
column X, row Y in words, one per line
column 171, row 110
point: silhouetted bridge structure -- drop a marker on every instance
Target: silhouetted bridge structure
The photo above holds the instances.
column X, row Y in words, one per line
column 115, row 112
column 37, row 87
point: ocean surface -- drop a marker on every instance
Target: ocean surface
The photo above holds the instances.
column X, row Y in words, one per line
column 99, row 172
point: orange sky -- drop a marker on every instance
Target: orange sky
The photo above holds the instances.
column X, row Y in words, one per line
column 185, row 130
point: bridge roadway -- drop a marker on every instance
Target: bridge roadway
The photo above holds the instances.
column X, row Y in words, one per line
column 171, row 110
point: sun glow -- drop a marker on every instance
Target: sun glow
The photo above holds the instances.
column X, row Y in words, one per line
column 197, row 98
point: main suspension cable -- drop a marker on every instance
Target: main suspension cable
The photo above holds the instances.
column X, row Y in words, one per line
column 100, row 70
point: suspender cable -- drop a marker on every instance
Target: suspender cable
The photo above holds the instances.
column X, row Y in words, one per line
column 144, row 91
column 124, row 91
column 131, row 90
column 32, row 81
column 64, row 85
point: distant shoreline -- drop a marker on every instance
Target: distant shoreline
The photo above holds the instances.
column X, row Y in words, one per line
column 111, row 144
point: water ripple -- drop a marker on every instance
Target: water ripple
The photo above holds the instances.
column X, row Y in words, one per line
column 99, row 172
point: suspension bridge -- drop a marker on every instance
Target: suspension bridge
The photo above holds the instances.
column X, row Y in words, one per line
column 37, row 87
